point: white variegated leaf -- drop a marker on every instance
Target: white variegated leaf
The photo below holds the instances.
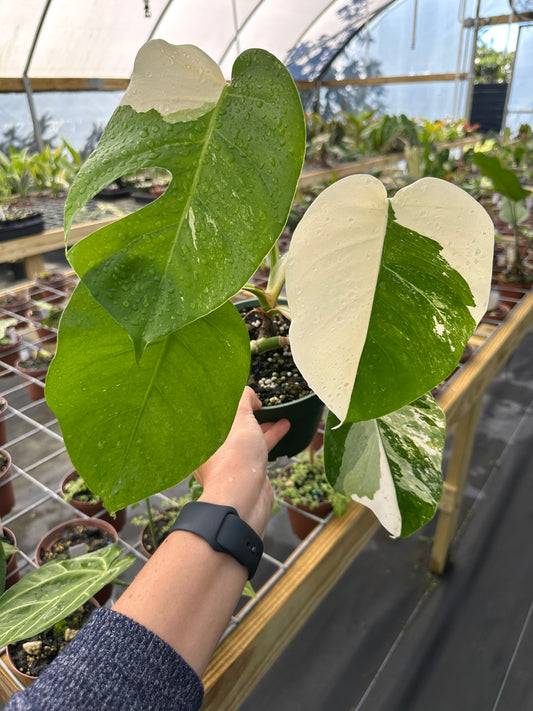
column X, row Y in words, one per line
column 392, row 464
column 384, row 294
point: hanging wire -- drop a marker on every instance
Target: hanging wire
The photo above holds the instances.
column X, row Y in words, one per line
column 147, row 11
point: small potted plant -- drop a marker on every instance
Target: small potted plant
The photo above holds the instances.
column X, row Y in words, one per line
column 8, row 543
column 76, row 537
column 76, row 492
column 14, row 303
column 3, row 429
column 7, row 494
column 35, row 367
column 51, row 282
column 156, row 525
column 9, row 344
column 33, row 611
column 30, row 656
column 45, row 316
column 513, row 211
column 18, row 221
column 303, row 485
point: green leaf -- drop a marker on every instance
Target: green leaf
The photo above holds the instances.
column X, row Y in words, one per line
column 235, row 170
column 392, row 465
column 505, row 181
column 134, row 429
column 384, row 294
column 513, row 212
column 53, row 591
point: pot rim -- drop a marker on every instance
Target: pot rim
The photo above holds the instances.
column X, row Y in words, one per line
column 90, row 521
column 5, row 472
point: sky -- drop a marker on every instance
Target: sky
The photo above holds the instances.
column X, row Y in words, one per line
column 500, row 36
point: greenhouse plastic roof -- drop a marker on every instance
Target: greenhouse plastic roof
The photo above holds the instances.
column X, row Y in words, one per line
column 99, row 39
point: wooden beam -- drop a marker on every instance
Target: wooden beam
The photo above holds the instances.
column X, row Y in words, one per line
column 15, row 84
column 370, row 165
column 500, row 19
column 376, row 81
column 468, row 386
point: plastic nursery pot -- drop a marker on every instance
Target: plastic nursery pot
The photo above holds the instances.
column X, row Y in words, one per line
column 92, row 510
column 3, row 410
column 56, row 281
column 301, row 524
column 7, row 494
column 9, row 354
column 35, row 391
column 12, row 573
column 27, row 679
column 60, row 534
column 303, row 414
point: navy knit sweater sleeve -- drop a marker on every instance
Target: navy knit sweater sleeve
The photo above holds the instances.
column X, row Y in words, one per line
column 115, row 664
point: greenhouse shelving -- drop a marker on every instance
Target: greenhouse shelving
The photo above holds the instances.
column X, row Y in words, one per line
column 298, row 581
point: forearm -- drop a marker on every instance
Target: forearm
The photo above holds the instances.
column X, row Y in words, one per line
column 186, row 594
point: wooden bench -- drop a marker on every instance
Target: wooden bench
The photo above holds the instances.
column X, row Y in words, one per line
column 31, row 249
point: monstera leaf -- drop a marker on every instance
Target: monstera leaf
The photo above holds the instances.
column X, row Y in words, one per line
column 134, row 428
column 384, row 294
column 235, row 153
column 392, row 464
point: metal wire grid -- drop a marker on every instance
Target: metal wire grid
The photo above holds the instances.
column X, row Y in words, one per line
column 41, row 499
column 40, row 460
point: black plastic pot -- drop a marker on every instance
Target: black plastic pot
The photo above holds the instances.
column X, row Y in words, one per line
column 21, row 227
column 303, row 414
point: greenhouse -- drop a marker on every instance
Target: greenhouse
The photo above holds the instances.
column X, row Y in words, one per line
column 266, row 387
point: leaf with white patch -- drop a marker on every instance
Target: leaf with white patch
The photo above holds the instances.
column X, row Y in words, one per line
column 235, row 153
column 392, row 464
column 384, row 294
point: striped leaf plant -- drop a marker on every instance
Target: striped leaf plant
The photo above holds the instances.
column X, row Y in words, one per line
column 383, row 294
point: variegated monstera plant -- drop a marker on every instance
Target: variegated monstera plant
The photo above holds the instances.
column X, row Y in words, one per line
column 152, row 356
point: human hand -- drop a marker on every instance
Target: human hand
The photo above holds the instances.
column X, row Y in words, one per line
column 236, row 473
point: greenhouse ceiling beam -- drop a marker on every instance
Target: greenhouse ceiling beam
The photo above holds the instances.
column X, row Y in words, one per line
column 499, row 19
column 14, row 84
column 376, row 81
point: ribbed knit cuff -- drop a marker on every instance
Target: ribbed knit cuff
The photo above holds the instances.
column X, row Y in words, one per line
column 116, row 664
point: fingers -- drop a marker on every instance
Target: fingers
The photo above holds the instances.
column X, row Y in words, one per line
column 249, row 400
column 274, row 431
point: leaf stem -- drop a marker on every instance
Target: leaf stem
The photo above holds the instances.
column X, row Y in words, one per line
column 268, row 344
column 151, row 523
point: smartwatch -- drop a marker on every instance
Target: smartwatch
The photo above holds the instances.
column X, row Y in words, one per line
column 224, row 530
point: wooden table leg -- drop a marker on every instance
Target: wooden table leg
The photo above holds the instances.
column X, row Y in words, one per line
column 454, row 485
column 33, row 265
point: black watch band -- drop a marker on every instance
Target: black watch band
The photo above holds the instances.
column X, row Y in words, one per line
column 225, row 532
